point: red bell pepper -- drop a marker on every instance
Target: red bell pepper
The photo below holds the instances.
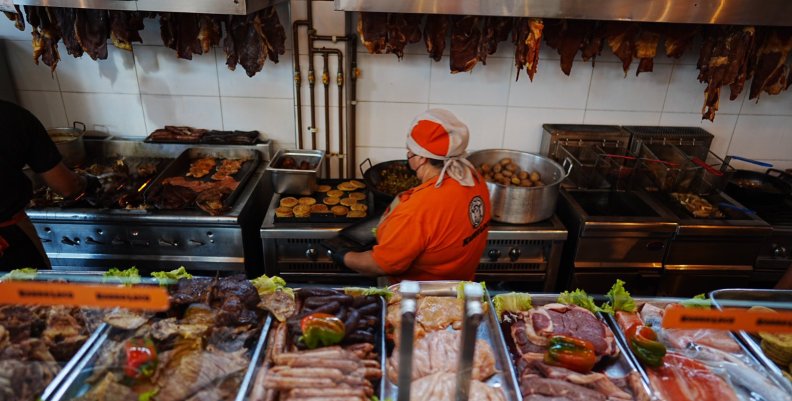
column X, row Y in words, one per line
column 321, row 329
column 643, row 342
column 141, row 358
column 571, row 353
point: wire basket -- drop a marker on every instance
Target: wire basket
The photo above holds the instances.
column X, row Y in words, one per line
column 670, row 169
column 713, row 175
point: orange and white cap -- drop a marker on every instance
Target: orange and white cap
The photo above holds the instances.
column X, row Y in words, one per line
column 438, row 134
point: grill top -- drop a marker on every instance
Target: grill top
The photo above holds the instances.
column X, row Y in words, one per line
column 667, row 132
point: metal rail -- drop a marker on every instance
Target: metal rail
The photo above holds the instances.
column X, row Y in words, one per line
column 234, row 7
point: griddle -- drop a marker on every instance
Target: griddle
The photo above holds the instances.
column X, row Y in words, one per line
column 181, row 166
column 327, row 217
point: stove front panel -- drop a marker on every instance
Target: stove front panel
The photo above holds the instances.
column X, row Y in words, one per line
column 78, row 246
column 713, row 253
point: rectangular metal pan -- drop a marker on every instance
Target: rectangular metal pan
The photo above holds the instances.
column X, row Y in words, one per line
column 180, row 167
column 662, row 302
column 750, row 297
column 74, row 361
column 74, row 385
column 379, row 346
column 620, row 366
column 488, row 331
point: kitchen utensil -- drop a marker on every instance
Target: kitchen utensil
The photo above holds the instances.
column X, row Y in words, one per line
column 726, row 205
column 728, row 158
column 373, row 177
column 69, row 142
column 293, row 180
column 523, row 205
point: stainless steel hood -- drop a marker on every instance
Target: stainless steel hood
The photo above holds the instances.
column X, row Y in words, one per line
column 736, row 12
column 235, row 7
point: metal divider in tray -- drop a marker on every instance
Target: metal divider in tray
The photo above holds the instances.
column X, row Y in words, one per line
column 618, row 368
column 488, row 331
column 745, row 298
column 736, row 374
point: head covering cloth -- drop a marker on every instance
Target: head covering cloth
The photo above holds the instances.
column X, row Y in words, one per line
column 438, row 134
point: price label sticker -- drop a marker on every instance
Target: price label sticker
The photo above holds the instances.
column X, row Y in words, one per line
column 153, row 298
column 7, row 5
column 731, row 319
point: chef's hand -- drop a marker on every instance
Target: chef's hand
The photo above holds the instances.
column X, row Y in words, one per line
column 88, row 195
column 337, row 250
column 338, row 256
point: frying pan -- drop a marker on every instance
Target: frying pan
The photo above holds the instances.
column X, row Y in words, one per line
column 748, row 184
column 373, row 177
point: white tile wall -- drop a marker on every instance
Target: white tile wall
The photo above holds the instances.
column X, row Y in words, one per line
column 135, row 93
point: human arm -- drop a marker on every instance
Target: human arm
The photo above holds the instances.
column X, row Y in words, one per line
column 64, row 181
column 786, row 281
column 363, row 263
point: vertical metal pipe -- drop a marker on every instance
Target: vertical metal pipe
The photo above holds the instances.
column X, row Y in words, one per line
column 298, row 77
column 326, row 86
column 343, row 154
column 311, row 74
column 472, row 318
column 352, row 102
column 409, row 291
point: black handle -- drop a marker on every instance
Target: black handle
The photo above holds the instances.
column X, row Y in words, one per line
column 364, row 162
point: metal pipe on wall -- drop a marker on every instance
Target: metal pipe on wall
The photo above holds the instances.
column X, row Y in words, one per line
column 326, row 86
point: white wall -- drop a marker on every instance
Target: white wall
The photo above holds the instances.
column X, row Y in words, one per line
column 133, row 93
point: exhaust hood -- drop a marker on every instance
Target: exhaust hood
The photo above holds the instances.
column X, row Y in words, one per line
column 732, row 12
column 234, row 7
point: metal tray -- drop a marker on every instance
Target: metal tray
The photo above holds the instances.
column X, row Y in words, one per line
column 620, row 366
column 750, row 297
column 489, row 331
column 74, row 384
column 379, row 346
column 325, row 217
column 180, row 166
column 75, row 359
column 662, row 302
column 295, row 181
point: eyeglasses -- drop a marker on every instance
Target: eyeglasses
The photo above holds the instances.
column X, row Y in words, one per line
column 410, row 157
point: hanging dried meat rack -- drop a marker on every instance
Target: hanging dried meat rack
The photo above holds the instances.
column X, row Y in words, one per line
column 231, row 7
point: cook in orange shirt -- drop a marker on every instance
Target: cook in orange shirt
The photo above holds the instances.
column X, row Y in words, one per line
column 437, row 230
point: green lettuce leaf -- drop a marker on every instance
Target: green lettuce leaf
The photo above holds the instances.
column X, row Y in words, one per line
column 25, row 273
column 579, row 298
column 511, row 302
column 164, row 277
column 461, row 288
column 267, row 285
column 619, row 299
column 699, row 301
column 148, row 395
column 127, row 277
column 375, row 291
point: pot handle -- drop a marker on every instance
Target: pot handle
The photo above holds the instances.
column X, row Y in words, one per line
column 81, row 125
column 567, row 164
column 747, row 160
column 364, row 162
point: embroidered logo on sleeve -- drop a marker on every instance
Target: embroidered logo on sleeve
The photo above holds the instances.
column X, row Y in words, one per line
column 476, row 211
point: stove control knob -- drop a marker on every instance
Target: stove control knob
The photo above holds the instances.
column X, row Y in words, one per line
column 779, row 251
column 494, row 254
column 311, row 253
column 70, row 242
column 197, row 243
column 514, row 254
column 163, row 242
column 135, row 233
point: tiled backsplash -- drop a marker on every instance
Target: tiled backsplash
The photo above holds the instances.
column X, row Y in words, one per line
column 131, row 94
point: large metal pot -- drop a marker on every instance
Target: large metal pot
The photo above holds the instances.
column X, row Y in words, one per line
column 69, row 142
column 523, row 205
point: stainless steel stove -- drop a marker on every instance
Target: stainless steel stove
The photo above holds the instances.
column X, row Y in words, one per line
column 527, row 256
column 97, row 239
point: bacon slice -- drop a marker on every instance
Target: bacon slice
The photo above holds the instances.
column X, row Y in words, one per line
column 402, row 29
column 527, row 37
column 646, row 47
column 683, row 379
column 435, row 35
column 465, row 37
column 721, row 62
column 621, row 39
column 373, row 31
column 678, row 38
column 771, row 70
column 496, row 30
column 593, row 42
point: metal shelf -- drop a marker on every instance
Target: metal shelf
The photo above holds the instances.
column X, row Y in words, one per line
column 735, row 12
column 233, row 7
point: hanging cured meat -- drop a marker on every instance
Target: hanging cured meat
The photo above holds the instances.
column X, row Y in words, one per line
column 92, row 29
column 527, row 38
column 678, row 38
column 495, row 30
column 465, row 37
column 723, row 56
column 125, row 28
column 45, row 36
column 208, row 32
column 403, row 29
column 16, row 17
column 567, row 37
column 771, row 71
column 435, row 35
column 179, row 31
column 373, row 31
column 646, row 42
column 64, row 18
column 272, row 30
column 621, row 40
column 593, row 42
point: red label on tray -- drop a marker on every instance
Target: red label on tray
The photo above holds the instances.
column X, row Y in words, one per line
column 99, row 296
column 728, row 319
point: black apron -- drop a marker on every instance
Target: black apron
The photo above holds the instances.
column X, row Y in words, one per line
column 20, row 246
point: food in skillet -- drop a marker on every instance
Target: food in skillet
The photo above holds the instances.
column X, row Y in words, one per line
column 507, row 172
column 397, row 178
column 698, row 206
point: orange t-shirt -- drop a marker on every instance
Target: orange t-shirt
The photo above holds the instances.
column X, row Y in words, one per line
column 435, row 233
